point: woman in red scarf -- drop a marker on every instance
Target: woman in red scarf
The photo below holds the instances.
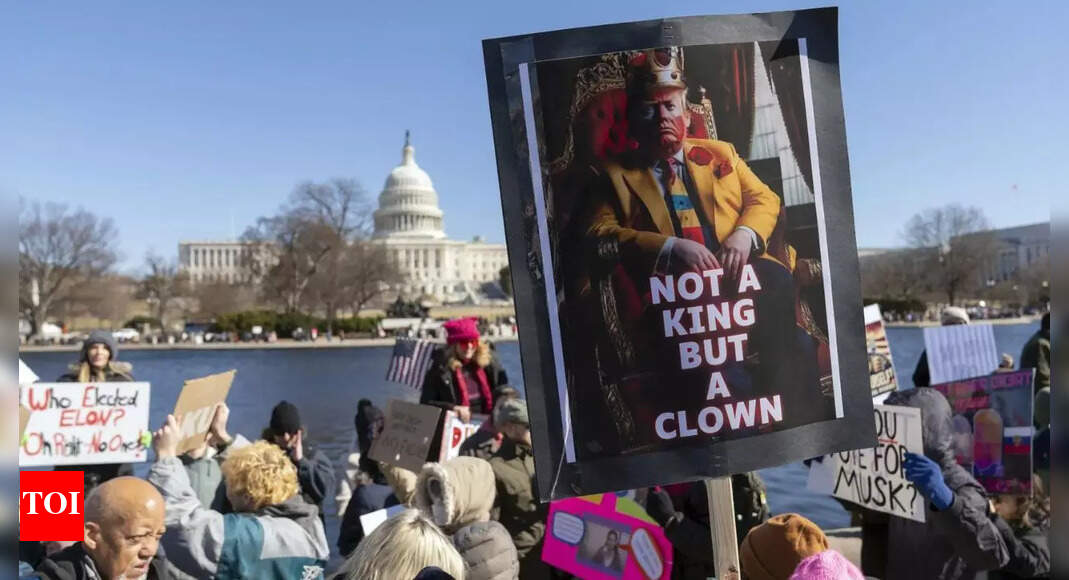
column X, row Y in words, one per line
column 465, row 373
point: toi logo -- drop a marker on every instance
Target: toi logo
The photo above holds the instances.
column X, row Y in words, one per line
column 51, row 505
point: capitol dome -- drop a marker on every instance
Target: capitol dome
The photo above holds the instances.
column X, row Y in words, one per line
column 408, row 204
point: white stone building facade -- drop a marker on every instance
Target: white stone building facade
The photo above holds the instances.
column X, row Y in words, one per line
column 213, row 261
column 410, row 225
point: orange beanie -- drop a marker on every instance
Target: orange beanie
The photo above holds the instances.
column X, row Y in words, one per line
column 772, row 550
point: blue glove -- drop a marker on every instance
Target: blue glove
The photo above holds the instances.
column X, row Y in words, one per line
column 927, row 476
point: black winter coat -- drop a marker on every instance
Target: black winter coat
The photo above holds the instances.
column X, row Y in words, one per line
column 439, row 384
column 1029, row 552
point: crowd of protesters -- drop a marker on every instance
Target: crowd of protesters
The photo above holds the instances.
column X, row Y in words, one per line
column 234, row 508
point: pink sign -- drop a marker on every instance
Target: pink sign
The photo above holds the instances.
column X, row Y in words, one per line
column 604, row 536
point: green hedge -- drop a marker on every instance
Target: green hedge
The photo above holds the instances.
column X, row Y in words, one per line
column 285, row 323
column 137, row 321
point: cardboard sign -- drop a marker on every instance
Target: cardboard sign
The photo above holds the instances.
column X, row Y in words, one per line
column 881, row 368
column 655, row 352
column 960, row 351
column 875, row 478
column 76, row 423
column 196, row 405
column 606, row 536
column 372, row 520
column 455, row 432
column 407, row 435
column 993, row 429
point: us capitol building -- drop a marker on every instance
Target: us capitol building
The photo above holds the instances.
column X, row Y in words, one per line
column 409, row 224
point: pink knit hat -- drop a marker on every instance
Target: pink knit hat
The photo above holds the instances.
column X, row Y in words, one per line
column 827, row 565
column 461, row 330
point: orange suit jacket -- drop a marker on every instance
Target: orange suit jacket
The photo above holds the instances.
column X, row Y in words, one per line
column 633, row 209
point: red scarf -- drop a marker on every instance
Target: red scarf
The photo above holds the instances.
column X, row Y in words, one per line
column 484, row 388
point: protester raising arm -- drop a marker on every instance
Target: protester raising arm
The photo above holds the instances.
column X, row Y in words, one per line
column 315, row 472
column 961, row 515
column 198, row 530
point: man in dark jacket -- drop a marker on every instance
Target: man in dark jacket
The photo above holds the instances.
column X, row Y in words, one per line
column 374, row 492
column 124, row 520
column 1036, row 354
column 315, row 473
column 685, row 520
column 517, row 499
column 958, row 538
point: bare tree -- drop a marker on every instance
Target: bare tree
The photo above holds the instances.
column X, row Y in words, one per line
column 56, row 248
column 161, row 285
column 367, row 274
column 308, row 239
column 900, row 274
column 959, row 243
column 218, row 298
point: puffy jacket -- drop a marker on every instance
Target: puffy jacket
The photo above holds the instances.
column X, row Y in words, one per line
column 74, row 563
column 951, row 544
column 281, row 541
column 458, row 495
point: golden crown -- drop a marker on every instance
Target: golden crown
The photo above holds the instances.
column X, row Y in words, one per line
column 657, row 67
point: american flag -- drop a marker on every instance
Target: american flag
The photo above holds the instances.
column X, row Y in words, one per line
column 410, row 361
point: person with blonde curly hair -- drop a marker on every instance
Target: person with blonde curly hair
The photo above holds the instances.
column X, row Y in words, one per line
column 401, row 548
column 274, row 532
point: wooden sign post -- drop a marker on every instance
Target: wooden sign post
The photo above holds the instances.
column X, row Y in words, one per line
column 722, row 528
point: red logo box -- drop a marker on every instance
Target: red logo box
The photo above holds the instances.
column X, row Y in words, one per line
column 51, row 506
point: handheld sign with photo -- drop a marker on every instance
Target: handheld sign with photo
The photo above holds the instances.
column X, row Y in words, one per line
column 605, row 536
column 960, row 351
column 407, row 435
column 651, row 354
column 455, row 432
column 881, row 368
column 84, row 423
column 993, row 429
column 196, row 406
column 875, row 478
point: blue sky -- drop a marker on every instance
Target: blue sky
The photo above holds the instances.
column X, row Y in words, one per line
column 181, row 119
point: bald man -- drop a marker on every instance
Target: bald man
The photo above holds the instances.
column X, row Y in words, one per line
column 124, row 520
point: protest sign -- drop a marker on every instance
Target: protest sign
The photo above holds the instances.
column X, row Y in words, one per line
column 605, row 536
column 960, row 351
column 407, row 435
column 993, row 429
column 881, row 368
column 196, row 406
column 76, row 423
column 875, row 478
column 651, row 354
column 455, row 432
column 372, row 520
